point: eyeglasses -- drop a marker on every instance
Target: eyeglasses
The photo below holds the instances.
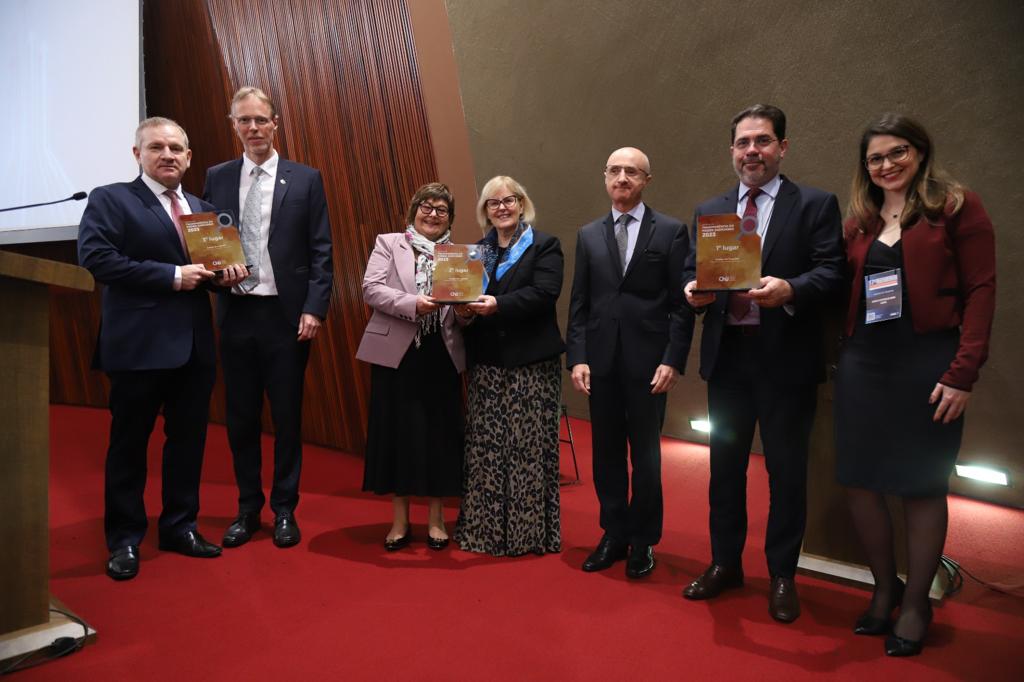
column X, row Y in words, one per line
column 630, row 171
column 427, row 209
column 761, row 141
column 895, row 155
column 260, row 121
column 508, row 202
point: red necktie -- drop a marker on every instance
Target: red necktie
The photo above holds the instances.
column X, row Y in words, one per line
column 739, row 301
column 176, row 216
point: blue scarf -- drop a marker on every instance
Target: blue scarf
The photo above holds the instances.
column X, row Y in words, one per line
column 522, row 239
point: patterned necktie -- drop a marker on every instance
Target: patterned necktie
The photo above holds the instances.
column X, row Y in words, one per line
column 622, row 237
column 252, row 220
column 176, row 216
column 739, row 301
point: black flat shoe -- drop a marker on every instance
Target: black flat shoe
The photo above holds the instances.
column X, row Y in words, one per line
column 436, row 543
column 872, row 625
column 398, row 543
column 190, row 543
column 608, row 551
column 286, row 531
column 242, row 529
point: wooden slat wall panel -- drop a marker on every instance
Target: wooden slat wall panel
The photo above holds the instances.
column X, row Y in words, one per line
column 343, row 75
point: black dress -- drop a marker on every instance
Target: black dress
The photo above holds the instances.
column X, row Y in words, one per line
column 415, row 429
column 886, row 440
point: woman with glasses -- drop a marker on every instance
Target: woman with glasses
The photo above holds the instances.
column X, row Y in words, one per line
column 921, row 262
column 415, row 432
column 513, row 344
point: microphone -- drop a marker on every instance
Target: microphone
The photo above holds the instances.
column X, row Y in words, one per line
column 77, row 196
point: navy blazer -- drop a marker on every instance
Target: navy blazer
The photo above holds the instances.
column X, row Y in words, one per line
column 643, row 308
column 804, row 246
column 127, row 241
column 300, row 235
column 525, row 328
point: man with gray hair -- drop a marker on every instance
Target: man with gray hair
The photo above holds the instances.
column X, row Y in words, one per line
column 155, row 344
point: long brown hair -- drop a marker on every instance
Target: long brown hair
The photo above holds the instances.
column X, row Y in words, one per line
column 931, row 192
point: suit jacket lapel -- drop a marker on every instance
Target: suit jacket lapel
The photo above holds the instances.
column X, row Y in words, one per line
column 280, row 189
column 405, row 263
column 642, row 239
column 784, row 205
column 234, row 181
column 151, row 201
column 613, row 247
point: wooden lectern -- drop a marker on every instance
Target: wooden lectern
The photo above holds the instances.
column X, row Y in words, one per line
column 25, row 433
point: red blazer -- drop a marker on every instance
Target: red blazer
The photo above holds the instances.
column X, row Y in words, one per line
column 949, row 270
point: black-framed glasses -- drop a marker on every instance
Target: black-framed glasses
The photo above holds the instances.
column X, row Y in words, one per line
column 894, row 155
column 260, row 121
column 761, row 141
column 508, row 202
column 427, row 209
column 630, row 171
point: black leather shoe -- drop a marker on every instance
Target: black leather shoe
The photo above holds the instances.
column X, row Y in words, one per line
column 873, row 625
column 286, row 531
column 124, row 563
column 783, row 603
column 715, row 580
column 398, row 543
column 900, row 646
column 436, row 543
column 640, row 562
column 190, row 543
column 242, row 529
column 607, row 553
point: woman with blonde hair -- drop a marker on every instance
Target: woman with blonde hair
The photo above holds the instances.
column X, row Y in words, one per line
column 511, row 501
column 921, row 261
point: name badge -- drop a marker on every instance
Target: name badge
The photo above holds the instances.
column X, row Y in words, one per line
column 883, row 296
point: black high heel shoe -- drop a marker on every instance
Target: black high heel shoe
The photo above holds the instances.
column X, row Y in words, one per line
column 873, row 625
column 900, row 646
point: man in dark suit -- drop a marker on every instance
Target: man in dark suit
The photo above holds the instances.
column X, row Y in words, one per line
column 762, row 356
column 268, row 321
column 155, row 344
column 628, row 336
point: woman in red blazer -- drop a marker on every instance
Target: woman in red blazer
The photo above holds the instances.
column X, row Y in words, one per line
column 921, row 261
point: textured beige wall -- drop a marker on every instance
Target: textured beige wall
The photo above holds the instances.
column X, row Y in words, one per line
column 550, row 88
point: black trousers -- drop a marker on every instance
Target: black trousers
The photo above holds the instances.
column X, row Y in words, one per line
column 626, row 423
column 740, row 397
column 135, row 400
column 260, row 354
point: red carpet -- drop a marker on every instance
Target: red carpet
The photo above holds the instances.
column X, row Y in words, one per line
column 339, row 607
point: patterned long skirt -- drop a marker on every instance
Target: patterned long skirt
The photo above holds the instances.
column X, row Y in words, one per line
column 510, row 505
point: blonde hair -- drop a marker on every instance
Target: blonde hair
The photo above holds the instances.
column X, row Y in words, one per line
column 250, row 91
column 156, row 122
column 527, row 213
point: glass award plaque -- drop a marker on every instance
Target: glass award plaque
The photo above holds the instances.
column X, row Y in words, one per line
column 728, row 253
column 213, row 240
column 458, row 273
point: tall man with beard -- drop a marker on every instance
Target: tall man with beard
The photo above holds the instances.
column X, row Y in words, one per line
column 628, row 336
column 762, row 356
column 268, row 321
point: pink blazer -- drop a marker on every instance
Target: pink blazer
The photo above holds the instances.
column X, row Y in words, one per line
column 389, row 288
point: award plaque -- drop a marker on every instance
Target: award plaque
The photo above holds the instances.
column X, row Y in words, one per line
column 728, row 253
column 458, row 273
column 213, row 240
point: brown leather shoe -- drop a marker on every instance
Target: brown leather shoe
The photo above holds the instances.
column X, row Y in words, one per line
column 713, row 582
column 783, row 604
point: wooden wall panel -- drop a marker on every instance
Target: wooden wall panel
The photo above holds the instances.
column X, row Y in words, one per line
column 343, row 75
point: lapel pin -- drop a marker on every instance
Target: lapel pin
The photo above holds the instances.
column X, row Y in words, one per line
column 283, row 181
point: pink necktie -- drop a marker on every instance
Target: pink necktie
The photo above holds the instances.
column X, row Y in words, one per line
column 739, row 301
column 176, row 216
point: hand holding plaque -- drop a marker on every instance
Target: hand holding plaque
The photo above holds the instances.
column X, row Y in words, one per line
column 212, row 239
column 459, row 275
column 728, row 253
